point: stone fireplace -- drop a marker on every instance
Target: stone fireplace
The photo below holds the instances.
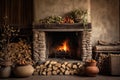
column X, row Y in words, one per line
column 64, row 41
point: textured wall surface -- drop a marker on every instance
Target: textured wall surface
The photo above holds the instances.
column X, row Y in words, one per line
column 105, row 20
column 104, row 15
column 44, row 8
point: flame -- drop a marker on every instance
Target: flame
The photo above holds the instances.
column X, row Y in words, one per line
column 64, row 46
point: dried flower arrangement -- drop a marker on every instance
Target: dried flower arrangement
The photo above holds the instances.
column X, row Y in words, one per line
column 75, row 16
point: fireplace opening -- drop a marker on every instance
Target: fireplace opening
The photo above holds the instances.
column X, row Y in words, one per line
column 63, row 45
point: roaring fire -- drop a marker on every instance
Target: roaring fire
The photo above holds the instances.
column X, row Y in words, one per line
column 64, row 47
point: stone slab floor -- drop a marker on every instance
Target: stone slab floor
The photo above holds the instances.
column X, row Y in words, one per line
column 58, row 77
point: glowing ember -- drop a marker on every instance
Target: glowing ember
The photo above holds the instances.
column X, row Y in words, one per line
column 64, row 47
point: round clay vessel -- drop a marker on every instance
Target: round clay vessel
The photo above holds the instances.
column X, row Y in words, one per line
column 91, row 70
column 23, row 71
column 5, row 71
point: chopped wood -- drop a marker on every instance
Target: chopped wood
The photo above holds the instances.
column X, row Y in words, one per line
column 58, row 71
column 47, row 63
column 74, row 66
column 63, row 66
column 49, row 69
column 53, row 62
column 55, row 68
column 54, row 72
column 69, row 65
column 65, row 63
column 67, row 72
column 50, row 66
column 58, row 65
column 58, row 68
column 49, row 73
column 44, row 73
column 62, row 70
column 19, row 52
column 61, row 73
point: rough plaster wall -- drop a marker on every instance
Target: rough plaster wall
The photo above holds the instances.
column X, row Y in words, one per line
column 105, row 20
column 104, row 15
column 44, row 8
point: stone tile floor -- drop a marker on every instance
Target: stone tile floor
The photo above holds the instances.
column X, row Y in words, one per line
column 58, row 77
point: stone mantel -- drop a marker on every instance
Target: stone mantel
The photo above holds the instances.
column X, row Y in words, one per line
column 62, row 27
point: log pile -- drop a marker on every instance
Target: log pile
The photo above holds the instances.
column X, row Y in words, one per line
column 19, row 53
column 104, row 63
column 59, row 68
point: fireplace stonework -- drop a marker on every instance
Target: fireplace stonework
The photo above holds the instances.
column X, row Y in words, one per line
column 39, row 40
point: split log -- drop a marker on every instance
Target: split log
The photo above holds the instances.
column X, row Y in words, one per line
column 69, row 65
column 62, row 70
column 65, row 63
column 58, row 71
column 54, row 72
column 54, row 68
column 67, row 72
column 74, row 66
column 49, row 73
column 53, row 62
column 63, row 66
column 58, row 65
column 49, row 69
column 47, row 63
column 44, row 73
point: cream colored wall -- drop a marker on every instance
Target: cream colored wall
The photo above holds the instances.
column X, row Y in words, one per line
column 44, row 8
column 104, row 15
column 105, row 20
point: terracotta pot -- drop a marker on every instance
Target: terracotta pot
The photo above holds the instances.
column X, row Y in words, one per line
column 91, row 63
column 23, row 71
column 5, row 71
column 91, row 69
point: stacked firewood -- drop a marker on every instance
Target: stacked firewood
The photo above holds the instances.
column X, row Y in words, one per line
column 103, row 62
column 20, row 53
column 59, row 68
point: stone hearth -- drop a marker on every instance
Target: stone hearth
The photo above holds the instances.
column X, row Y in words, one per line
column 40, row 51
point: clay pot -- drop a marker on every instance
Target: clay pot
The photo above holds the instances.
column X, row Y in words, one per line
column 23, row 71
column 91, row 69
column 5, row 71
